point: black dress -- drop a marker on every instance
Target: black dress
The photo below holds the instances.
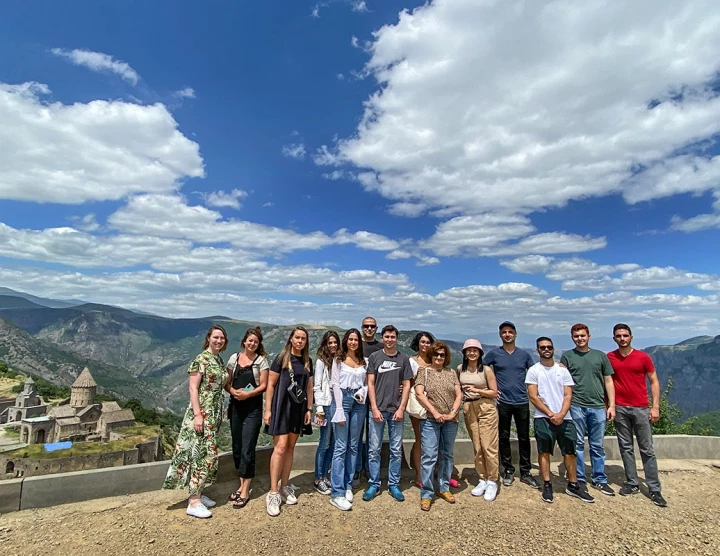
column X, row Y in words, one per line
column 287, row 416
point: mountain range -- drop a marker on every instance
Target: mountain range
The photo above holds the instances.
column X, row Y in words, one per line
column 146, row 356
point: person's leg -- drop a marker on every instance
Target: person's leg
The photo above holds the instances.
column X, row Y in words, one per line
column 578, row 418
column 357, row 419
column 504, row 423
column 571, row 466
column 250, row 434
column 236, row 429
column 277, row 460
column 488, row 430
column 288, row 458
column 203, row 460
column 323, row 447
column 430, row 440
column 448, row 432
column 329, row 453
column 375, row 434
column 624, row 433
column 473, row 428
column 544, row 464
column 415, row 451
column 342, row 439
column 596, row 437
column 522, row 424
column 395, row 432
column 643, row 434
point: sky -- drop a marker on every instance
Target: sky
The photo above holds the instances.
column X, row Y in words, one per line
column 444, row 165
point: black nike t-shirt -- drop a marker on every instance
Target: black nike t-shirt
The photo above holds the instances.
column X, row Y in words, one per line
column 389, row 371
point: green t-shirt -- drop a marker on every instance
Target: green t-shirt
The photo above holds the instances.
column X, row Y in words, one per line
column 588, row 371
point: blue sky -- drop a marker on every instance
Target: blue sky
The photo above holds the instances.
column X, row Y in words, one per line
column 444, row 166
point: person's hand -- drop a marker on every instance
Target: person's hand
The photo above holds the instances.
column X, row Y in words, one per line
column 199, row 423
column 399, row 415
column 556, row 419
column 239, row 395
column 308, row 417
column 439, row 417
column 561, row 364
column 610, row 413
column 654, row 414
column 266, row 417
column 377, row 416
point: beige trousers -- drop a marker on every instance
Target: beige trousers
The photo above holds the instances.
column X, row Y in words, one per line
column 481, row 421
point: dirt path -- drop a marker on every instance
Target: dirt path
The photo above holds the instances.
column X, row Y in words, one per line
column 518, row 522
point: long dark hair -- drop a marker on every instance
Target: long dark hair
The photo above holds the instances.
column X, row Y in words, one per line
column 359, row 351
column 415, row 344
column 257, row 332
column 284, row 355
column 206, row 343
column 323, row 351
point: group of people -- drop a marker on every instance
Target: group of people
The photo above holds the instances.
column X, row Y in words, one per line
column 360, row 384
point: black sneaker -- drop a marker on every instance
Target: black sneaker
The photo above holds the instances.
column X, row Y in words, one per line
column 508, row 478
column 578, row 491
column 322, row 487
column 547, row 493
column 530, row 481
column 604, row 488
column 629, row 490
column 657, row 499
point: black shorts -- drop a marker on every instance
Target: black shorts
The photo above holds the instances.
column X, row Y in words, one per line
column 547, row 434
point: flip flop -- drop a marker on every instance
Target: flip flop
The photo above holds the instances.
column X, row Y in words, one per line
column 234, row 496
column 240, row 502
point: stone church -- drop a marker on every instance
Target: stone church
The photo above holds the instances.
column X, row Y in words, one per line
column 78, row 419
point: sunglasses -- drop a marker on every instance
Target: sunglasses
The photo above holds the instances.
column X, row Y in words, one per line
column 369, row 326
column 546, row 348
column 439, row 355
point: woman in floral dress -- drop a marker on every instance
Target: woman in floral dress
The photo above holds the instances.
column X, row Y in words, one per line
column 195, row 460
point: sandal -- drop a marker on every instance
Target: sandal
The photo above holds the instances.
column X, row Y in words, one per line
column 425, row 504
column 234, row 496
column 240, row 502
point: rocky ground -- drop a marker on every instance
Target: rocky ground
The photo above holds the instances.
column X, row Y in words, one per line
column 518, row 522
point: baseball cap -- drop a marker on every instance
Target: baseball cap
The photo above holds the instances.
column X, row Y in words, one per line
column 507, row 323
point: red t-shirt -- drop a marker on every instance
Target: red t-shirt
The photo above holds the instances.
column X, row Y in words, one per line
column 629, row 377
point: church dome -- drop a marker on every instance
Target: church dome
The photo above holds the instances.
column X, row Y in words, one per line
column 84, row 380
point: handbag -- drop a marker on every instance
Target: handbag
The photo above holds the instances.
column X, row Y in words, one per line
column 414, row 407
column 297, row 394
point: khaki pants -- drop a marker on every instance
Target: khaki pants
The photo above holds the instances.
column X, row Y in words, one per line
column 481, row 420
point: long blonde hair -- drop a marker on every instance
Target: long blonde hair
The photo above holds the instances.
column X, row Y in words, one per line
column 284, row 355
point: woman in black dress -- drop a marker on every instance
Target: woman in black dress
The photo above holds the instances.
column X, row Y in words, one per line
column 287, row 414
column 247, row 381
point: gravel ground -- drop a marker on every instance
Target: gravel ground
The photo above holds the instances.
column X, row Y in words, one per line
column 518, row 522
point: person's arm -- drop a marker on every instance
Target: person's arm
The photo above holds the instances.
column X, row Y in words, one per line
column 400, row 413
column 655, row 393
column 610, row 391
column 272, row 382
column 339, row 416
column 309, row 393
column 537, row 401
column 557, row 419
column 376, row 415
column 198, row 419
column 319, row 375
column 457, row 403
column 492, row 390
column 425, row 402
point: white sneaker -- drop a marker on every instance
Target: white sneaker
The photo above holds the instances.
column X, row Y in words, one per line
column 349, row 495
column 198, row 510
column 479, row 490
column 491, row 491
column 207, row 502
column 341, row 503
column 272, row 504
column 287, row 495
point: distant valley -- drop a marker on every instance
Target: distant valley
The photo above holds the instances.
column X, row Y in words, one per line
column 146, row 356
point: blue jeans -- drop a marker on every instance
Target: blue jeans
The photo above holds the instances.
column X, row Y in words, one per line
column 590, row 421
column 437, row 442
column 324, row 453
column 375, row 436
column 347, row 438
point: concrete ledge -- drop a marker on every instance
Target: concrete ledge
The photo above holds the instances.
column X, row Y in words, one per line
column 10, row 493
column 64, row 488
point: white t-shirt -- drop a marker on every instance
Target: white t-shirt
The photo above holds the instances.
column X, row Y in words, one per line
column 550, row 382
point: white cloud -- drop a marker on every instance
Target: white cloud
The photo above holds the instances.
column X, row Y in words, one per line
column 101, row 150
column 187, row 92
column 99, row 62
column 355, row 42
column 340, row 77
column 516, row 106
column 294, row 150
column 646, row 279
column 366, row 240
column 87, row 223
column 359, row 6
column 230, row 199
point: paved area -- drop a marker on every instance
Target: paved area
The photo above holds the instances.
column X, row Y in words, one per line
column 518, row 522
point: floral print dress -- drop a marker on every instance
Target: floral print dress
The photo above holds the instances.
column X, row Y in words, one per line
column 195, row 460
